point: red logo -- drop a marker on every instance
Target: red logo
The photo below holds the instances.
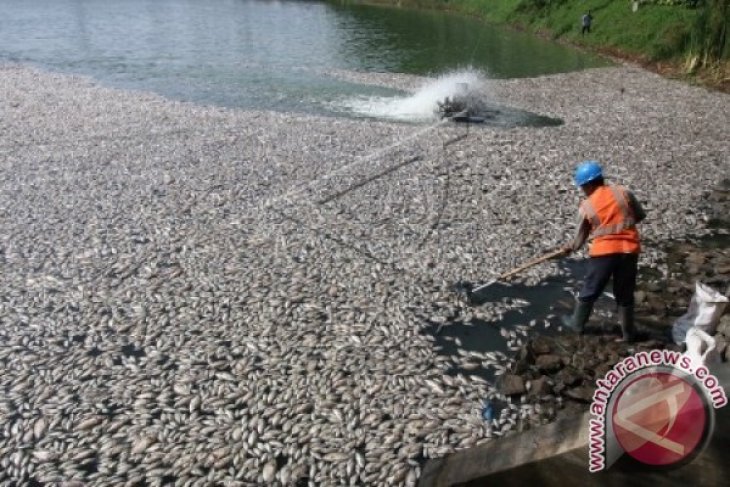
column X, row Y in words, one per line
column 660, row 419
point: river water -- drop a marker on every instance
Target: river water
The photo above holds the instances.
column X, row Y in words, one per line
column 278, row 55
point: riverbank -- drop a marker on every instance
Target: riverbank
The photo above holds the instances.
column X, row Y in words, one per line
column 656, row 37
column 199, row 294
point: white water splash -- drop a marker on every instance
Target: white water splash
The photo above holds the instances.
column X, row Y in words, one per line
column 422, row 105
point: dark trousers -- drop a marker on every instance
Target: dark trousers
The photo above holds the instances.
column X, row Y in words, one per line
column 586, row 28
column 621, row 267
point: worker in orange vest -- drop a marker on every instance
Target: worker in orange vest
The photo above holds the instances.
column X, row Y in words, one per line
column 608, row 216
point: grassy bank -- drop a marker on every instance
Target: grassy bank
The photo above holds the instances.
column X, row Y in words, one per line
column 674, row 40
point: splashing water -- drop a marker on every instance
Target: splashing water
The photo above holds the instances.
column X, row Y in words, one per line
column 421, row 106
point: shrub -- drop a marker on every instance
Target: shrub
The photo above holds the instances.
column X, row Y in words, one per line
column 673, row 41
column 709, row 37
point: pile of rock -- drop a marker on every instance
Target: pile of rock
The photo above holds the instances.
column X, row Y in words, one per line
column 567, row 365
column 660, row 301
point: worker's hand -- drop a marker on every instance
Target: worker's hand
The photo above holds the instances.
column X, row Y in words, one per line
column 567, row 250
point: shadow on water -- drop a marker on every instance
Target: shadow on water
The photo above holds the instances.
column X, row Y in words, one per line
column 506, row 117
column 544, row 303
column 500, row 117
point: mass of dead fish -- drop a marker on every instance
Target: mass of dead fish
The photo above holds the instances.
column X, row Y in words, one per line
column 196, row 295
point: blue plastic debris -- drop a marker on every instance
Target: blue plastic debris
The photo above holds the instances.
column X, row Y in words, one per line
column 488, row 411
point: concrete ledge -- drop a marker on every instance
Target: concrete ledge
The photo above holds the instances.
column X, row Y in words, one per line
column 553, row 439
column 557, row 455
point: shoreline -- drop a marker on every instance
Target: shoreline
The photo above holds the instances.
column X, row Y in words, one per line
column 673, row 69
column 176, row 282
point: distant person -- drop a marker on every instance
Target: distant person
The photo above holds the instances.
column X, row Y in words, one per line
column 586, row 20
column 608, row 216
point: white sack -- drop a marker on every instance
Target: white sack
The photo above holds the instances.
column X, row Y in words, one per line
column 701, row 348
column 705, row 309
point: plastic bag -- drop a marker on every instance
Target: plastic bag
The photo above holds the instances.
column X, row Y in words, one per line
column 488, row 411
column 705, row 309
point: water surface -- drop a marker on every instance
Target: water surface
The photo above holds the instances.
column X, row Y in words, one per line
column 276, row 55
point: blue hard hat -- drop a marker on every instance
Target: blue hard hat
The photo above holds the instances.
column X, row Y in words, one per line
column 587, row 171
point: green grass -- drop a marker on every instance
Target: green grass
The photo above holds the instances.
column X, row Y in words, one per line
column 498, row 11
column 655, row 32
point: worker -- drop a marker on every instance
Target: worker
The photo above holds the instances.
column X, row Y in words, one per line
column 608, row 216
column 586, row 22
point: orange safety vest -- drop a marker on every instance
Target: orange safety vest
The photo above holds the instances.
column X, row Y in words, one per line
column 613, row 224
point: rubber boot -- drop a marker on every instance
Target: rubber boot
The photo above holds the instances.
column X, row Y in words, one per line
column 581, row 313
column 626, row 318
